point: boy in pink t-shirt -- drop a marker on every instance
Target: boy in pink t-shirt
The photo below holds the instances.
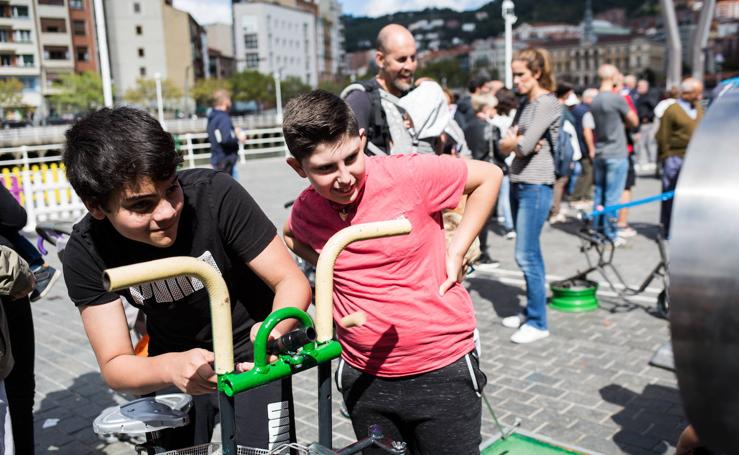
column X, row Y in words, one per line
column 411, row 367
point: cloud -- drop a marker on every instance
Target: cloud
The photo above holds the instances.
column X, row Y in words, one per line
column 206, row 11
column 376, row 8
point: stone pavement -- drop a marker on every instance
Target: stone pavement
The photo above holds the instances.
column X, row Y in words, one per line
column 589, row 384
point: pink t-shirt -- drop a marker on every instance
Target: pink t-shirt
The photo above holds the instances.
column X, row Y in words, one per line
column 410, row 328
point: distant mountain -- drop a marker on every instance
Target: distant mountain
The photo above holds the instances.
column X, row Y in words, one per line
column 360, row 32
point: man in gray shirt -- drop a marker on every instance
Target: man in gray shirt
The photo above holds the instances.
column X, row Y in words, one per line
column 610, row 113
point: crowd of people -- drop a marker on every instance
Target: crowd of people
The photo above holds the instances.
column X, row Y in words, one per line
column 388, row 147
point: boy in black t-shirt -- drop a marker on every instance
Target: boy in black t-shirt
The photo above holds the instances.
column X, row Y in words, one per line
column 123, row 166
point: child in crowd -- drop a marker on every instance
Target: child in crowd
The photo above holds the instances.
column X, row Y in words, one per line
column 406, row 285
column 123, row 165
column 12, row 219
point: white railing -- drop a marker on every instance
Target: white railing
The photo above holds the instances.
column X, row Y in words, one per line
column 41, row 186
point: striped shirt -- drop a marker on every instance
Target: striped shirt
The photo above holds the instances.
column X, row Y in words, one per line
column 530, row 166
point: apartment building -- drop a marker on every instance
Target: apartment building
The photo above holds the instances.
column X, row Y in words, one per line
column 577, row 63
column 221, row 63
column 272, row 38
column 84, row 45
column 186, row 47
column 330, row 40
column 55, row 42
column 19, row 55
column 136, row 42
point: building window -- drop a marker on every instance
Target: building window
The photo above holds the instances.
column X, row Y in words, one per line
column 49, row 25
column 252, row 60
column 139, row 30
column 82, row 55
column 141, row 52
column 251, row 41
column 6, row 60
column 77, row 4
column 4, row 35
column 51, row 2
column 78, row 28
column 26, row 60
column 56, row 53
column 136, row 7
column 18, row 11
column 142, row 71
column 22, row 36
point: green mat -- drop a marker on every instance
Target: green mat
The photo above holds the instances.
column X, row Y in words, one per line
column 518, row 444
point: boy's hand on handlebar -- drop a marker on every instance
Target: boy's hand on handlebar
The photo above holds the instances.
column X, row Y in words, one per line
column 194, row 372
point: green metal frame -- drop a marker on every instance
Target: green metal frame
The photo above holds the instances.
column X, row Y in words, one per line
column 312, row 354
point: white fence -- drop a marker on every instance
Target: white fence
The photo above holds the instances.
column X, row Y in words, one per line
column 41, row 186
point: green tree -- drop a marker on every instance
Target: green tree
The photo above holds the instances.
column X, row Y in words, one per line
column 293, row 86
column 11, row 92
column 334, row 86
column 446, row 72
column 253, row 85
column 145, row 93
column 203, row 90
column 78, row 92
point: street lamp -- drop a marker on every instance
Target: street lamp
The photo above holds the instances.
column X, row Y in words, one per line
column 160, row 107
column 278, row 95
column 510, row 18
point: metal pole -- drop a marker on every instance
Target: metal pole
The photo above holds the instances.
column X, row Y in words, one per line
column 278, row 95
column 160, row 106
column 324, row 405
column 103, row 53
column 186, row 104
column 510, row 19
column 700, row 38
column 674, row 47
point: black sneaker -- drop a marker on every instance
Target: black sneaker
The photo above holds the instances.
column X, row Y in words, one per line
column 46, row 276
column 488, row 262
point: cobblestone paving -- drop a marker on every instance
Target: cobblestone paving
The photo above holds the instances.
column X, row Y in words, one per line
column 588, row 385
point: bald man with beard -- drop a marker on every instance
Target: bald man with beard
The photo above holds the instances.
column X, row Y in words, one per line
column 373, row 101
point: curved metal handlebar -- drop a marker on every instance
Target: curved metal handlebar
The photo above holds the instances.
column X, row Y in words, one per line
column 327, row 259
column 220, row 302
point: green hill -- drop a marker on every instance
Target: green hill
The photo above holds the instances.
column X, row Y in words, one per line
column 360, row 32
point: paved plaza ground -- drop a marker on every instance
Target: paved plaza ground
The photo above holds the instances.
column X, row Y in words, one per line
column 589, row 384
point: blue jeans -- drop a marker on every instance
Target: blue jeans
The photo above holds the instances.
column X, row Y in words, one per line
column 610, row 178
column 576, row 172
column 504, row 203
column 671, row 167
column 530, row 204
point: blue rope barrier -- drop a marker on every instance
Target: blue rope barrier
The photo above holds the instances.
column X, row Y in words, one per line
column 615, row 208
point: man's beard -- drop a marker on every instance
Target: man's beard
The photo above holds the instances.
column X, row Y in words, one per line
column 401, row 85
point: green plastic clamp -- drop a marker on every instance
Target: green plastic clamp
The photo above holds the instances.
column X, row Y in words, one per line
column 311, row 355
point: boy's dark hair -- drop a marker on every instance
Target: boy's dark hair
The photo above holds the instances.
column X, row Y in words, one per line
column 507, row 101
column 112, row 148
column 315, row 118
column 563, row 87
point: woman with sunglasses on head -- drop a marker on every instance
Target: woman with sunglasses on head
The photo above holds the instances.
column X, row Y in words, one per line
column 532, row 177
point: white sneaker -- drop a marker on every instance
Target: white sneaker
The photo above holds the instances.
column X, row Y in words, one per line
column 514, row 322
column 619, row 242
column 528, row 334
column 510, row 235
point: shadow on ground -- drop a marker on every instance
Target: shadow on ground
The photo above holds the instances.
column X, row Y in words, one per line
column 650, row 421
column 503, row 297
column 63, row 422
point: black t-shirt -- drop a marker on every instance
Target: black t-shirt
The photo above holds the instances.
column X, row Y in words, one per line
column 221, row 225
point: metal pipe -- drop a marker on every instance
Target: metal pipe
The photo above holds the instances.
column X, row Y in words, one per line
column 103, row 53
column 325, row 266
column 674, row 47
column 220, row 302
column 700, row 38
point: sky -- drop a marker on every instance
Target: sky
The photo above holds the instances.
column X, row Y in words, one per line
column 211, row 11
